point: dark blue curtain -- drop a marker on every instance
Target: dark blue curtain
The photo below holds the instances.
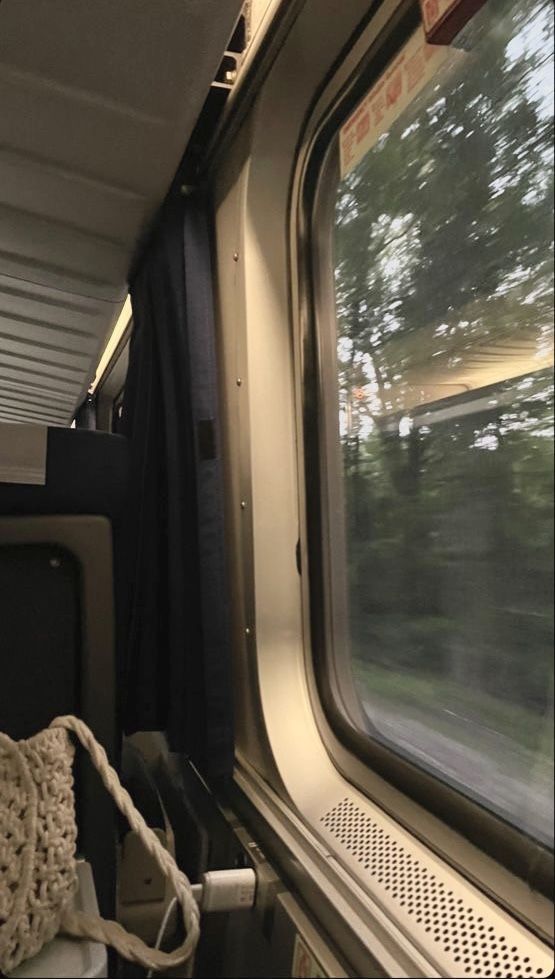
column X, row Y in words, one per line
column 175, row 637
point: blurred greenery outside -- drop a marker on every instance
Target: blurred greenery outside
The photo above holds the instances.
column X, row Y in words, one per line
column 443, row 248
column 430, row 690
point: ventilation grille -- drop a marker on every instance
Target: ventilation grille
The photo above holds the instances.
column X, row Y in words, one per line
column 464, row 936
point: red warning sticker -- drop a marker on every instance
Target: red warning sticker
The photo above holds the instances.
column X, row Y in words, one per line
column 394, row 90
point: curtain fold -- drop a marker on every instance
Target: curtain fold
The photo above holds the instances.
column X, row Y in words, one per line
column 177, row 670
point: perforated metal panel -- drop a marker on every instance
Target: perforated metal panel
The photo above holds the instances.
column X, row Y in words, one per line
column 465, row 935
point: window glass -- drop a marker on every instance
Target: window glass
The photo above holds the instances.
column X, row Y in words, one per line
column 442, row 251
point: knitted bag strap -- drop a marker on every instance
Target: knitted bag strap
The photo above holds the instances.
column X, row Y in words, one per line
column 80, row 925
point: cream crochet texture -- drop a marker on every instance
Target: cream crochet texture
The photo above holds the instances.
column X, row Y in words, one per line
column 37, row 842
column 38, row 835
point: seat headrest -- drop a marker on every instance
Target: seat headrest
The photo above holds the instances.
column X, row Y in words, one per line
column 85, row 472
column 23, row 453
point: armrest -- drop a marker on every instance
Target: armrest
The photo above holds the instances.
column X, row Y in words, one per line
column 70, row 958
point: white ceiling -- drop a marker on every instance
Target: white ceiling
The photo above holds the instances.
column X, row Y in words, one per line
column 98, row 99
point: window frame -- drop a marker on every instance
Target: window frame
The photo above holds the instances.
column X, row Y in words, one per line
column 522, row 855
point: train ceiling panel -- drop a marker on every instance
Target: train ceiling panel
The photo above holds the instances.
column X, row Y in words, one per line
column 97, row 103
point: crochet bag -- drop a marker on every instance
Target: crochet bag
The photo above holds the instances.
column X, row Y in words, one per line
column 38, row 834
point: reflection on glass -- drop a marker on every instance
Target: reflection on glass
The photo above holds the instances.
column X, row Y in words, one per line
column 443, row 268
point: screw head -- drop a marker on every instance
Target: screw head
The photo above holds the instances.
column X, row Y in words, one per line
column 243, row 504
column 235, row 256
column 247, row 631
column 239, row 381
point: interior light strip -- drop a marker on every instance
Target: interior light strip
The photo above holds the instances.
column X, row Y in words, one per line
column 122, row 323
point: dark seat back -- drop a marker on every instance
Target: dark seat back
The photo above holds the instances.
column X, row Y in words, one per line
column 86, row 472
column 40, row 640
column 57, row 648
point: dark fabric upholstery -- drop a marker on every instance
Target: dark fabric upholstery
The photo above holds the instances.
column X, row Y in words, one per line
column 86, row 472
column 40, row 642
column 178, row 675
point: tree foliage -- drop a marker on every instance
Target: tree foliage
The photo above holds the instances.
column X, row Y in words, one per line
column 443, row 264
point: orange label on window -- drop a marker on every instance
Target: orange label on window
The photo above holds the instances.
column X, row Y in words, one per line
column 305, row 965
column 443, row 19
column 405, row 77
column 435, row 10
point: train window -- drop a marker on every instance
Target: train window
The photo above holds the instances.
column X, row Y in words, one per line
column 443, row 421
